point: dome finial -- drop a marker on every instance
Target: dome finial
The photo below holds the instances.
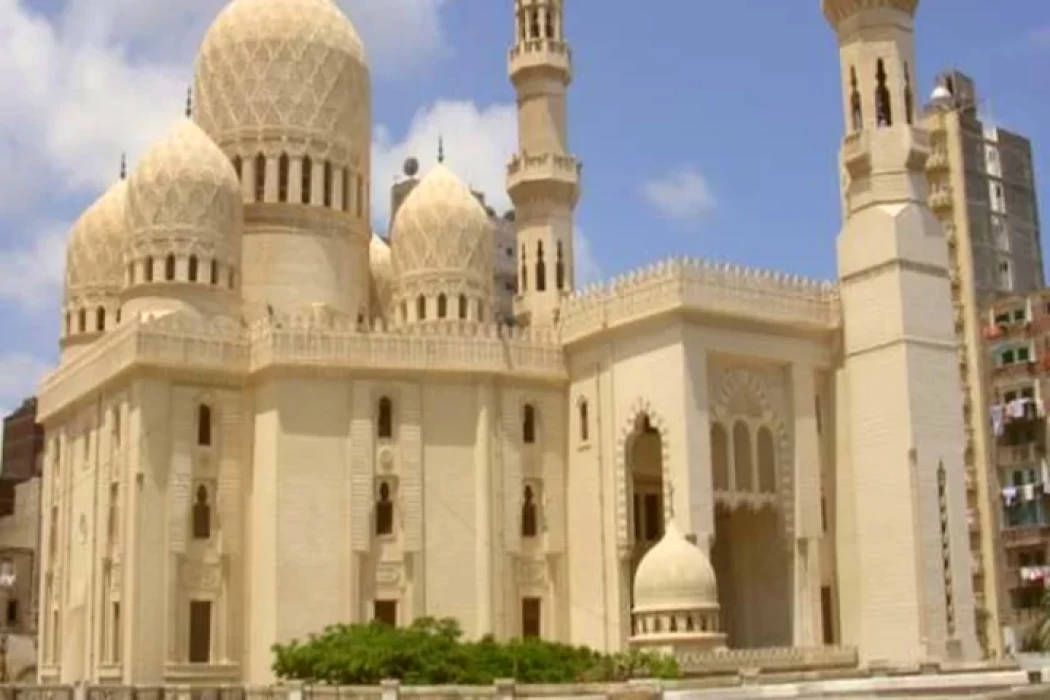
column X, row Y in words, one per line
column 189, row 102
column 441, row 149
column 123, row 166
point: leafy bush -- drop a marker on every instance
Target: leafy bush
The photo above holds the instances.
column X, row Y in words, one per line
column 433, row 652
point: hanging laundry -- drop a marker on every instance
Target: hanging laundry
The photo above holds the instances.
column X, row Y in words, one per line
column 1044, row 472
column 996, row 413
column 1009, row 494
column 1028, row 492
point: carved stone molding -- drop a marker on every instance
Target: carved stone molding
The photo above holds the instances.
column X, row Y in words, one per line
column 640, row 407
column 389, row 574
column 200, row 576
column 532, row 573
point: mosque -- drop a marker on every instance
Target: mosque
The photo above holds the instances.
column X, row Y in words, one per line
column 268, row 419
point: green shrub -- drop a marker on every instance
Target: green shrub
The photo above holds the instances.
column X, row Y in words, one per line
column 433, row 652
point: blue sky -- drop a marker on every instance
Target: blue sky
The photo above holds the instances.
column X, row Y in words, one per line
column 737, row 100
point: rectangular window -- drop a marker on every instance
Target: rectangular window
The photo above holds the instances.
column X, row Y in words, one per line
column 531, row 618
column 116, row 632
column 385, row 611
column 826, row 612
column 12, row 612
column 200, row 631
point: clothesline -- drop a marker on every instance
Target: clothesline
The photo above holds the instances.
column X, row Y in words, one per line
column 1019, row 409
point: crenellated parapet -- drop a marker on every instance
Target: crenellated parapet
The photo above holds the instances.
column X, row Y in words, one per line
column 180, row 343
column 701, row 286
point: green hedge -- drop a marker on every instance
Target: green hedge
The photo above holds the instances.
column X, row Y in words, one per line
column 433, row 652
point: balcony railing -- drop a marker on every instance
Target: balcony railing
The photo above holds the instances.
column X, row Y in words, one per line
column 1026, row 535
column 1016, row 455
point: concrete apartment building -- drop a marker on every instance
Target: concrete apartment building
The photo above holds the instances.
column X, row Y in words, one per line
column 23, row 448
column 982, row 187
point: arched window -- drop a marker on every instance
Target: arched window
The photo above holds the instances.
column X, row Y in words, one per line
column 260, row 178
column 238, row 166
column 742, row 457
column 385, row 419
column 585, row 428
column 232, row 278
column 118, row 316
column 442, row 306
column 204, row 425
column 201, row 514
column 548, row 25
column 308, row 178
column 909, row 98
column 559, row 269
column 883, row 110
column 404, row 311
column 282, row 177
column 528, row 424
column 528, row 514
column 192, row 272
column 719, row 458
column 100, row 319
column 327, row 184
column 481, row 311
column 131, row 273
column 856, row 111
column 147, row 269
column 169, row 267
column 421, row 308
column 523, row 278
column 82, row 320
column 359, row 196
column 767, row 468
column 534, row 24
column 541, row 269
column 346, row 189
column 463, row 306
column 384, row 511
column 214, row 271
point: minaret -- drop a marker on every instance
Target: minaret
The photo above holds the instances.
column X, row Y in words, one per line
column 543, row 179
column 904, row 562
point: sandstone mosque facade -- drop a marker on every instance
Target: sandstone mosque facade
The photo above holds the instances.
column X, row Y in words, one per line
column 268, row 419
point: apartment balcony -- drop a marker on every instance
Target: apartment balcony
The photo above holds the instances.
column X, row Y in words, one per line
column 1026, row 535
column 1015, row 371
column 1020, row 576
column 1008, row 456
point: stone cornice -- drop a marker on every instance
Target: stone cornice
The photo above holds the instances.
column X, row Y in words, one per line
column 179, row 344
column 701, row 287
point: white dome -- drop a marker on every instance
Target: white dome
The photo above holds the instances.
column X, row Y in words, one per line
column 441, row 229
column 95, row 255
column 184, row 197
column 675, row 575
column 940, row 94
column 273, row 68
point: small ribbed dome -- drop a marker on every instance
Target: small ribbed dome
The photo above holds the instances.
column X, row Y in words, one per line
column 382, row 274
column 442, row 228
column 95, row 255
column 185, row 193
column 674, row 576
column 285, row 67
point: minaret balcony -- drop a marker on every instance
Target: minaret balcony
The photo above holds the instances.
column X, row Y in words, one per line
column 941, row 198
column 545, row 171
column 938, row 160
column 541, row 54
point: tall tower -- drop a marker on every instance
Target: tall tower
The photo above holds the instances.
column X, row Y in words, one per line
column 904, row 558
column 543, row 179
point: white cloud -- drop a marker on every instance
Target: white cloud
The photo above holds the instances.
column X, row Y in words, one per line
column 22, row 372
column 588, row 269
column 31, row 274
column 478, row 145
column 683, row 195
column 401, row 36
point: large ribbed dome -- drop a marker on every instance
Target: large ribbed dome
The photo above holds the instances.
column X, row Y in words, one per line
column 95, row 256
column 442, row 229
column 284, row 67
column 185, row 194
column 674, row 576
column 381, row 274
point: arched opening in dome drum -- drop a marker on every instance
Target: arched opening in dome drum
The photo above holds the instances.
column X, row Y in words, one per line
column 169, row 268
column 282, row 178
column 463, row 306
column 260, row 178
column 442, row 306
column 751, row 557
column 327, row 184
column 192, row 271
column 307, row 180
column 100, row 319
column 645, row 481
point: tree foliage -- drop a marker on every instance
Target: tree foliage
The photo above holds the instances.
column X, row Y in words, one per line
column 433, row 652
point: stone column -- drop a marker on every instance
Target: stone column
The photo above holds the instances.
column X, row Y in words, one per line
column 808, row 522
